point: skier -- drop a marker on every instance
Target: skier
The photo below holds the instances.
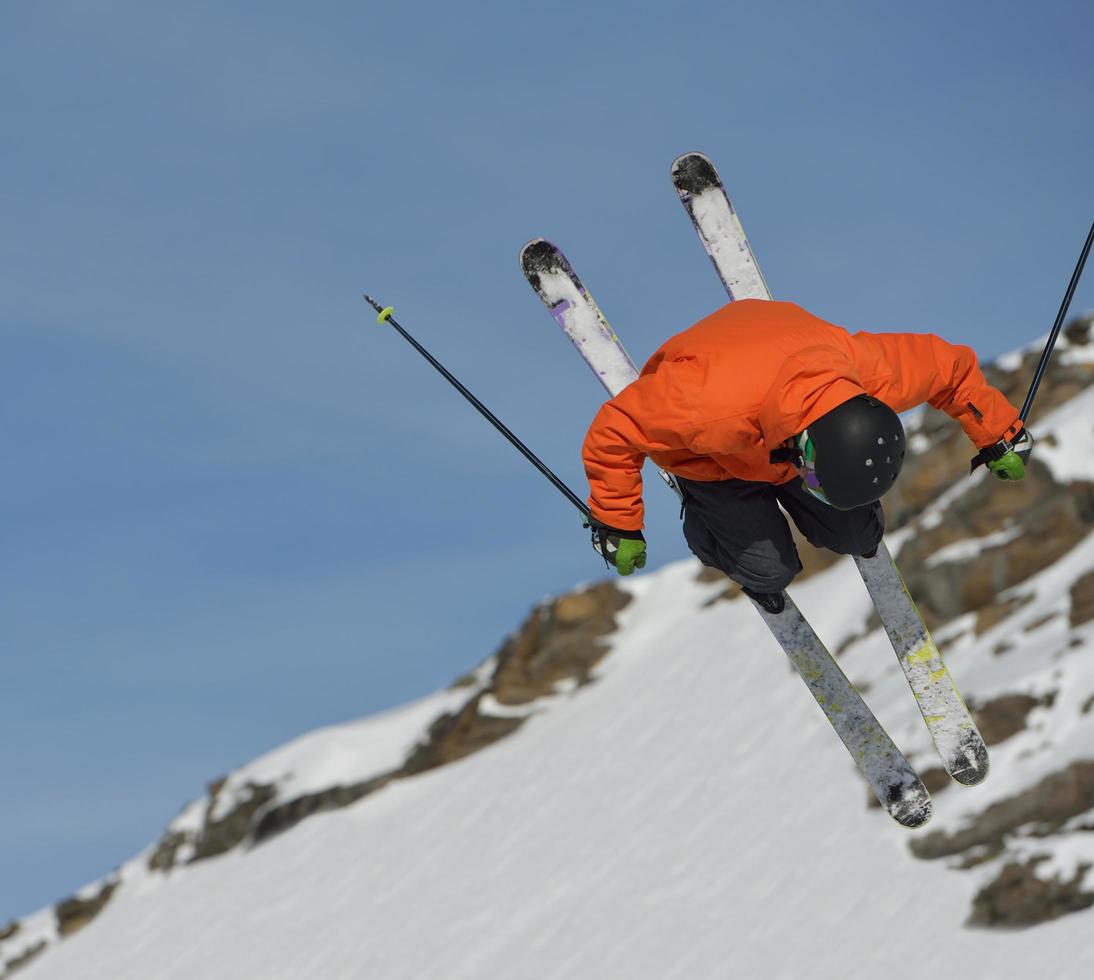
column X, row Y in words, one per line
column 760, row 404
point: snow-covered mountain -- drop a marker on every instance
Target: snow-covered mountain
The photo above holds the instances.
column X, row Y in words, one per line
column 636, row 784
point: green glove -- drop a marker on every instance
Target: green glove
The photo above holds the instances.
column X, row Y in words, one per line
column 1008, row 467
column 1012, row 464
column 625, row 550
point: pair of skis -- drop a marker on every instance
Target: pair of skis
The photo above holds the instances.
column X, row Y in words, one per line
column 891, row 777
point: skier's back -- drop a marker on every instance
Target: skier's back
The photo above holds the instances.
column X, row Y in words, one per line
column 762, row 403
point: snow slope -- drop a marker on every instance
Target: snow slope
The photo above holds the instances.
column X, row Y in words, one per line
column 689, row 814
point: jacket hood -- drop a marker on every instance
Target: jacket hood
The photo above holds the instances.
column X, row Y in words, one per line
column 809, row 384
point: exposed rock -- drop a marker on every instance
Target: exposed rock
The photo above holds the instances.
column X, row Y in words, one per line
column 470, row 679
column 1078, row 332
column 165, row 855
column 936, row 780
column 18, row 962
column 560, row 641
column 1040, row 621
column 458, row 734
column 280, row 818
column 992, row 615
column 1053, row 519
column 1046, row 806
column 980, row 855
column 6, row 932
column 75, row 913
column 220, row 836
column 1005, row 716
column 1018, row 898
column 1082, row 601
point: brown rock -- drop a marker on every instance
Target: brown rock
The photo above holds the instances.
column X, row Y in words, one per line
column 993, row 614
column 1047, row 806
column 1005, row 716
column 33, row 952
column 1018, row 898
column 1082, row 601
column 75, row 913
column 560, row 641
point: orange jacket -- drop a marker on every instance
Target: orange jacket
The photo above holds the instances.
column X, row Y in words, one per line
column 715, row 400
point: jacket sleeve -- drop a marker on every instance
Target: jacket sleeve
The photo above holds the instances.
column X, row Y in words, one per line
column 642, row 419
column 907, row 369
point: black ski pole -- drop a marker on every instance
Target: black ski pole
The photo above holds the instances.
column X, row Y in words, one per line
column 384, row 316
column 1043, row 365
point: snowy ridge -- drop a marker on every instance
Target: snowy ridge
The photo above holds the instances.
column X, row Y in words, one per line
column 689, row 813
column 1066, row 351
column 659, row 823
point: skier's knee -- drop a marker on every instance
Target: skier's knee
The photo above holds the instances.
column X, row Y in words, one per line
column 774, row 579
column 861, row 538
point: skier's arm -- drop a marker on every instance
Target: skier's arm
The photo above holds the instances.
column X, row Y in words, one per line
column 908, row 369
column 622, row 435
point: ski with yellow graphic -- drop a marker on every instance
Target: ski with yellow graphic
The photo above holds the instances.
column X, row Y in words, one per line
column 959, row 744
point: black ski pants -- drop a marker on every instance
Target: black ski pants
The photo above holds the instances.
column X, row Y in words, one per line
column 736, row 526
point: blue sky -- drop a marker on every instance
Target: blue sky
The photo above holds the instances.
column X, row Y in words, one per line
column 236, row 509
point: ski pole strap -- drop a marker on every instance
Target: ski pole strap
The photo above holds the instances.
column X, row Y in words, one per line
column 990, row 453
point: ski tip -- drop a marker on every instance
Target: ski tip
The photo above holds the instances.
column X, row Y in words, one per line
column 539, row 256
column 913, row 809
column 693, row 173
column 973, row 766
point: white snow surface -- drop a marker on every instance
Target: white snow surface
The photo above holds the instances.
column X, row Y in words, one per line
column 343, row 754
column 688, row 814
column 1064, row 351
column 1065, row 438
column 969, row 548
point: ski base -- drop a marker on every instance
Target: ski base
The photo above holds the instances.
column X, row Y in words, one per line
column 702, row 193
column 952, row 729
column 895, row 783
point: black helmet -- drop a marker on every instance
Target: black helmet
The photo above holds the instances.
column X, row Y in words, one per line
column 853, row 454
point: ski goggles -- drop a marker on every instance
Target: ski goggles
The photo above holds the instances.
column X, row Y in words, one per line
column 806, row 465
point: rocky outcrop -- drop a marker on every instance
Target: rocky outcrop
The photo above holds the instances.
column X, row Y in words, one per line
column 562, row 641
column 1005, row 716
column 559, row 644
column 29, row 954
column 1019, row 898
column 75, row 913
column 1045, row 807
column 1082, row 601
